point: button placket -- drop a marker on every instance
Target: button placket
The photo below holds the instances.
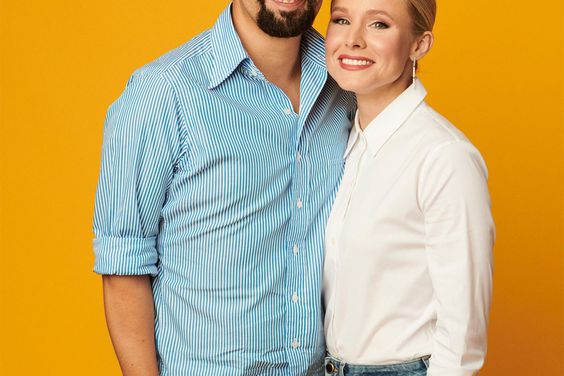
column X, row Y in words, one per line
column 355, row 158
column 299, row 194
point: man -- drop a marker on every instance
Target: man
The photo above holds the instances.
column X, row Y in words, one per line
column 219, row 165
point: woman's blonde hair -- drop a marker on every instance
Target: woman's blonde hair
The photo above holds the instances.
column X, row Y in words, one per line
column 423, row 13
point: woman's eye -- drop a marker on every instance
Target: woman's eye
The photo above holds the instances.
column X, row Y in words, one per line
column 340, row 21
column 379, row 25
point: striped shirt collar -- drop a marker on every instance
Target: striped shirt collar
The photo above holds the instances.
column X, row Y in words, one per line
column 383, row 126
column 228, row 50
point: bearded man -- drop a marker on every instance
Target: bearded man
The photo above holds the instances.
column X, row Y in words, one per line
column 219, row 166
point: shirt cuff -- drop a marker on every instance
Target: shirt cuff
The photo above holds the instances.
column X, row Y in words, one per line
column 125, row 256
column 440, row 371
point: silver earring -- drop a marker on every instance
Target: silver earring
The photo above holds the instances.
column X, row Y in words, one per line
column 413, row 74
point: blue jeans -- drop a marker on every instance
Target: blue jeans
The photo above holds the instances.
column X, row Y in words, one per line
column 416, row 367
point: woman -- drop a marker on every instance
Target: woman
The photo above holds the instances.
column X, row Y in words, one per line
column 407, row 279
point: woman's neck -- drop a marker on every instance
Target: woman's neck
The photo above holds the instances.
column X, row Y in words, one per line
column 370, row 105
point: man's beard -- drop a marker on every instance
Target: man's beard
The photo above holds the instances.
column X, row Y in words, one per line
column 288, row 24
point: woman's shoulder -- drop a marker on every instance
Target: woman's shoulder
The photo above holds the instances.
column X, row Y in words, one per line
column 442, row 139
column 436, row 128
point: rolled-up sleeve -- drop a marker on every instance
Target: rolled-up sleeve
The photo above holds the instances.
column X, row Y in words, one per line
column 140, row 149
column 459, row 239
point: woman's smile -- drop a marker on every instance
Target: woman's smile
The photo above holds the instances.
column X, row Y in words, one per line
column 354, row 63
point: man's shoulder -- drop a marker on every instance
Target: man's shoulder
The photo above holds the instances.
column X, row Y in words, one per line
column 188, row 56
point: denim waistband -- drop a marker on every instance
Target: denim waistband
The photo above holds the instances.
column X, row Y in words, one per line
column 337, row 367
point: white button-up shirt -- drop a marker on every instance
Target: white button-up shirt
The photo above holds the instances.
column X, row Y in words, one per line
column 408, row 264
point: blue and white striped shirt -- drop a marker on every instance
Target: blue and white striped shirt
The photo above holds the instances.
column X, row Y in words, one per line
column 212, row 184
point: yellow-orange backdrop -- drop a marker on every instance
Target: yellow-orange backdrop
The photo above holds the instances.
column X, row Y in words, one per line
column 496, row 71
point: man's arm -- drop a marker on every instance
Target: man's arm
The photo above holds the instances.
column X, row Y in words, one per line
column 130, row 316
column 139, row 153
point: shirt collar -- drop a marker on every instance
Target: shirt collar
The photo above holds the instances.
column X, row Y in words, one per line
column 313, row 47
column 228, row 51
column 383, row 126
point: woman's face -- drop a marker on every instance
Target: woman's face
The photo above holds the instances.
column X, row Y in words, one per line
column 368, row 45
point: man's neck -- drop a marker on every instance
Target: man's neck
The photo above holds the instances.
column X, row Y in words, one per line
column 278, row 59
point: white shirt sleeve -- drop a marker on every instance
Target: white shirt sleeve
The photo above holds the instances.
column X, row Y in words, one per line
column 459, row 228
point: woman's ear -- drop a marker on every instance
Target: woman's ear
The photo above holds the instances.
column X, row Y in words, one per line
column 422, row 45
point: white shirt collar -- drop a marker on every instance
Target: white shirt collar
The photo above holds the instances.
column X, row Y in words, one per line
column 383, row 126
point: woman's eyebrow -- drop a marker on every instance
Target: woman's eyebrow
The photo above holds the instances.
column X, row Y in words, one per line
column 371, row 12
column 374, row 12
column 338, row 9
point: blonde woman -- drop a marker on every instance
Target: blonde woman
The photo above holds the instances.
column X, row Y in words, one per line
column 408, row 265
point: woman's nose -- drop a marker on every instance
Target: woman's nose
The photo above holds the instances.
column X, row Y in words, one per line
column 355, row 39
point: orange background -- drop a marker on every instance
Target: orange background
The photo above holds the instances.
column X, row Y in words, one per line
column 496, row 71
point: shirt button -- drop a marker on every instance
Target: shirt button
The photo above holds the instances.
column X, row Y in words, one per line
column 287, row 111
column 295, row 344
column 299, row 156
column 253, row 73
column 299, row 204
column 296, row 249
column 295, row 297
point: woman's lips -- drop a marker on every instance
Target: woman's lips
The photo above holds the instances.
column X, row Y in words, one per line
column 354, row 62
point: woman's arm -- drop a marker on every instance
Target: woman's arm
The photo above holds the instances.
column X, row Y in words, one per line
column 459, row 238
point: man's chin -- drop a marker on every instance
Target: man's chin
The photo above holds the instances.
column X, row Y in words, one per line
column 285, row 24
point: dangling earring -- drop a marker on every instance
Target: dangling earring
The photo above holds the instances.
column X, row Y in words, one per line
column 413, row 74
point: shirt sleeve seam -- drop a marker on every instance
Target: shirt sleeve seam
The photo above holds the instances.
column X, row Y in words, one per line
column 182, row 130
column 427, row 160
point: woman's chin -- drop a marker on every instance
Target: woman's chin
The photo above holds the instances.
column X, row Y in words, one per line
column 347, row 85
